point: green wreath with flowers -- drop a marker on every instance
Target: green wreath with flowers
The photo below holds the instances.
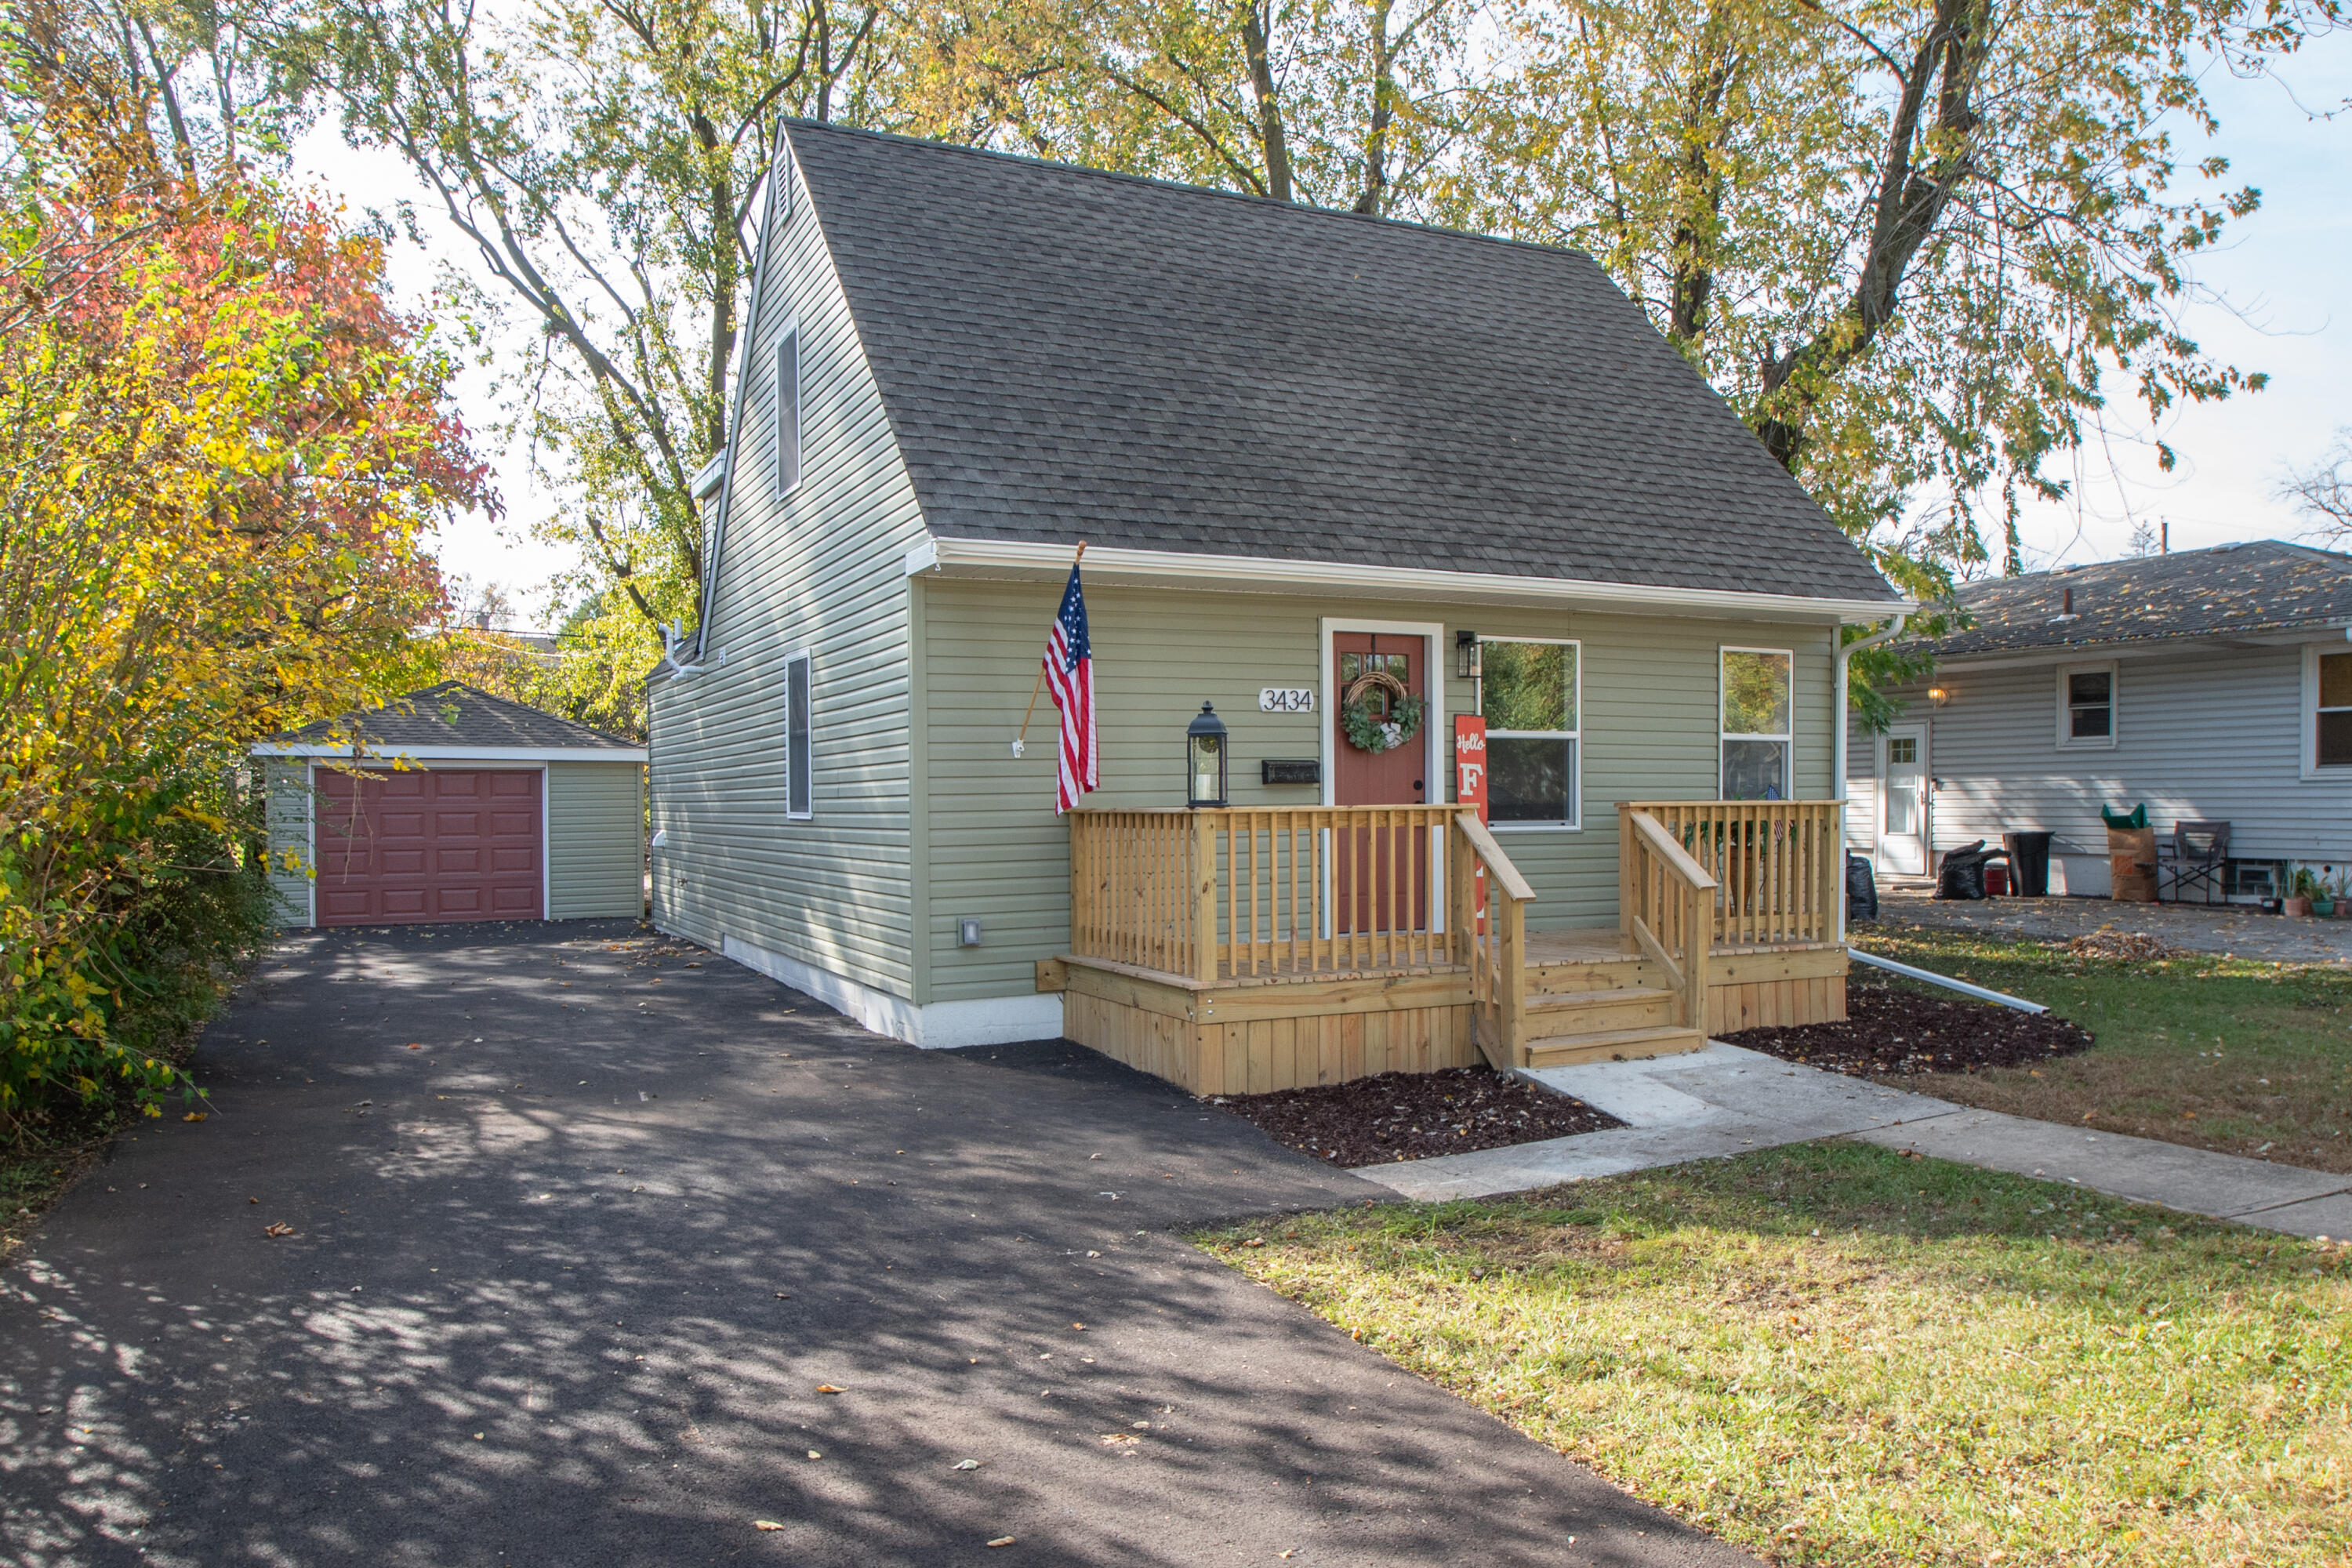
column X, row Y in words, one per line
column 1379, row 714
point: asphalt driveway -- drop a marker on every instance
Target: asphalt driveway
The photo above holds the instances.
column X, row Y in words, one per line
column 582, row 1220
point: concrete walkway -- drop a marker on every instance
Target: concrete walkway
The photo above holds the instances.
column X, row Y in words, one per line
column 1725, row 1101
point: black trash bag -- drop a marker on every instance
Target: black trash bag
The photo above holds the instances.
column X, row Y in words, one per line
column 1861, row 890
column 1962, row 873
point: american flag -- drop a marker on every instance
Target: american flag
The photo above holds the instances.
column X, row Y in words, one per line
column 1070, row 671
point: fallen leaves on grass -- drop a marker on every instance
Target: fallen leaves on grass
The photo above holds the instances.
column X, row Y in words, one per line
column 2134, row 946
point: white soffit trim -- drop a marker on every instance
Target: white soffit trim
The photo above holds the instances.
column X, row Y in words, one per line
column 1021, row 559
column 464, row 753
column 942, row 1027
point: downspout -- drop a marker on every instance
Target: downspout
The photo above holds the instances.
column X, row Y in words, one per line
column 1847, row 651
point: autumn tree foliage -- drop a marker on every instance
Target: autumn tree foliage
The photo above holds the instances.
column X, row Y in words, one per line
column 219, row 449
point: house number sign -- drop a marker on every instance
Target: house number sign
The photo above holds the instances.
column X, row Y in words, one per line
column 1287, row 700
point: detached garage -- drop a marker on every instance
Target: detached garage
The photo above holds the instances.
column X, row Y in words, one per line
column 455, row 804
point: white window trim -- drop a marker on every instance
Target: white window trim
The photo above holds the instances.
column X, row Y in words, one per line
column 800, row 657
column 1788, row 741
column 2066, row 739
column 1575, row 823
column 788, row 335
column 2307, row 752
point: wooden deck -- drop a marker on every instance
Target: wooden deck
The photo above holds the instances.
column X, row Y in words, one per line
column 1243, row 951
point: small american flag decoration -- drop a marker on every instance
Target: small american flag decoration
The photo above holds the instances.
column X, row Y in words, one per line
column 1070, row 671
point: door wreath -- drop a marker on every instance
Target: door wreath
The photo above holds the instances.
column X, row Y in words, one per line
column 1379, row 714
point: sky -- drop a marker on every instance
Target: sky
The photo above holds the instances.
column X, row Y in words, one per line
column 2273, row 298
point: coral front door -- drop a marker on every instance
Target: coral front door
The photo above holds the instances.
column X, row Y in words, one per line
column 428, row 845
column 1380, row 875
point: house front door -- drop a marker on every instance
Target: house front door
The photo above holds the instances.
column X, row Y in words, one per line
column 1903, row 801
column 1381, row 875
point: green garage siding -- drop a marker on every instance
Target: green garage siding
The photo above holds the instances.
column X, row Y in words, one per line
column 997, row 852
column 287, row 780
column 595, row 840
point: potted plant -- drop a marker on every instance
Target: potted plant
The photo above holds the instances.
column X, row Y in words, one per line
column 2299, row 889
column 2341, row 890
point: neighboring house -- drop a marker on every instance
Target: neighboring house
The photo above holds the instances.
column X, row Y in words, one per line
column 1304, row 448
column 2212, row 685
column 452, row 804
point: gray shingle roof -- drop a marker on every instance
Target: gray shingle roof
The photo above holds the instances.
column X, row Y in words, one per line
column 455, row 714
column 2264, row 586
column 1069, row 355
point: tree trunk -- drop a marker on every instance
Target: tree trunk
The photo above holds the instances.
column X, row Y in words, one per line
column 1274, row 143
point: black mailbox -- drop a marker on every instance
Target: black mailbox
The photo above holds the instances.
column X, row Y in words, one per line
column 1290, row 771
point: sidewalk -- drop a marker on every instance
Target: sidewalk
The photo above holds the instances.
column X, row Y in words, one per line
column 1722, row 1101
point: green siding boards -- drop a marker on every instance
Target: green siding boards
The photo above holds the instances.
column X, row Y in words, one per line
column 997, row 852
column 818, row 570
column 595, row 840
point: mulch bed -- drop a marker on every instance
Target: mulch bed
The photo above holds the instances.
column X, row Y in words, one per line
column 1414, row 1115
column 1894, row 1032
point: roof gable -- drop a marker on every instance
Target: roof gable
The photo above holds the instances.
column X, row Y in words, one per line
column 2229, row 590
column 454, row 715
column 1067, row 355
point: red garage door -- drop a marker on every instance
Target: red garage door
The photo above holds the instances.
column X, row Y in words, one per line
column 429, row 846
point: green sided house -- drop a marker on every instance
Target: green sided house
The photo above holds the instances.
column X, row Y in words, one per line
column 1337, row 477
column 452, row 804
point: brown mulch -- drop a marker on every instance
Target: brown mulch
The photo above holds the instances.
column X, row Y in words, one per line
column 1414, row 1115
column 1897, row 1032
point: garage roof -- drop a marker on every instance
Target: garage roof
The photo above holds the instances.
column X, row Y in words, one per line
column 455, row 720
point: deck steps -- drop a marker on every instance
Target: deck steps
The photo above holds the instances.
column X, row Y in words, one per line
column 1622, row 1045
column 1576, row 1017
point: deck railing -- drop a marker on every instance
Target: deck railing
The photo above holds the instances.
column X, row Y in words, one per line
column 1778, row 866
column 1493, row 940
column 1238, row 892
column 1666, row 903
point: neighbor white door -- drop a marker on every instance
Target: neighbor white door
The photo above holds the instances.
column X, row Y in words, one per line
column 1903, row 800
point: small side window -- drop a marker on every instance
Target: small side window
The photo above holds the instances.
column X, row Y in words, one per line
column 788, row 412
column 2086, row 706
column 798, row 762
column 2332, row 724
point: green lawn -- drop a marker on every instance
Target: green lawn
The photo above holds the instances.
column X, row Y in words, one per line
column 2220, row 1053
column 1835, row 1354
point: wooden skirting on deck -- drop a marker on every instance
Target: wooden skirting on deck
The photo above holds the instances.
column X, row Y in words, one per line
column 1245, row 1036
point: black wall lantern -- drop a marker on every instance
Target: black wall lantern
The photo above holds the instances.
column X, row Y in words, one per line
column 1465, row 653
column 1204, row 758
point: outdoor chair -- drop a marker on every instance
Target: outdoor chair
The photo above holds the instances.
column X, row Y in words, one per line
column 2194, row 858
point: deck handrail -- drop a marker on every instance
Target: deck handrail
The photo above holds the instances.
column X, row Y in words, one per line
column 1493, row 943
column 1666, row 902
column 1778, row 866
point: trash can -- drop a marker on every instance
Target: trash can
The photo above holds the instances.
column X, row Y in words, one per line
column 2029, row 863
column 1861, row 890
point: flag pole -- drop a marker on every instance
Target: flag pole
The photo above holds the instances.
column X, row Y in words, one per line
column 1019, row 740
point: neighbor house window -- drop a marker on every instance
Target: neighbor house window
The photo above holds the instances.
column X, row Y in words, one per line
column 1756, row 708
column 1528, row 696
column 2086, row 705
column 2331, row 723
column 797, row 760
column 788, row 411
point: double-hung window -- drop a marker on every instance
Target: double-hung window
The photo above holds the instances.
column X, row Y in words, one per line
column 787, row 402
column 2086, row 705
column 798, row 762
column 1757, row 716
column 2331, row 715
column 1528, row 694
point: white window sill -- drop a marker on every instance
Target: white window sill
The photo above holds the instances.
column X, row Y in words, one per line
column 1535, row 827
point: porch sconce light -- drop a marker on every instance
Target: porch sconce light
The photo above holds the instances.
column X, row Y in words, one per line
column 1938, row 695
column 1204, row 753
column 1466, row 653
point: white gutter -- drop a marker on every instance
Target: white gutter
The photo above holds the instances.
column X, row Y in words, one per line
column 1265, row 574
column 1847, row 651
column 1946, row 981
